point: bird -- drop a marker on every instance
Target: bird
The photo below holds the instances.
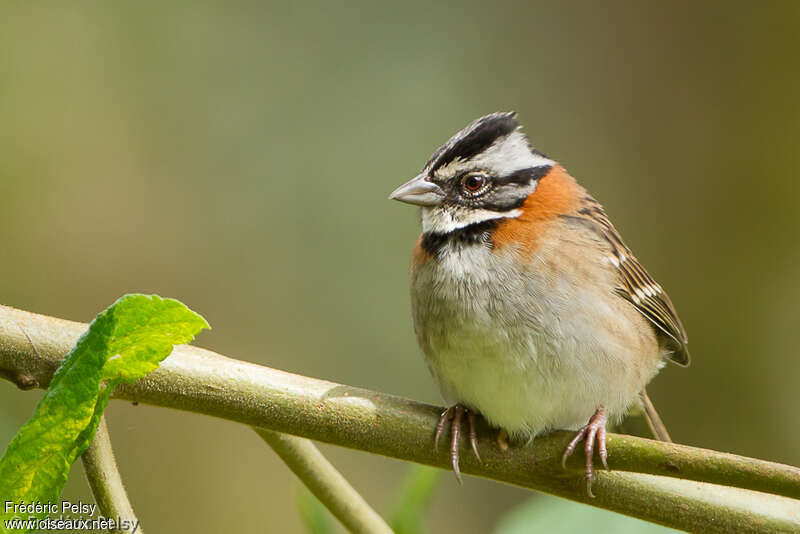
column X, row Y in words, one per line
column 530, row 310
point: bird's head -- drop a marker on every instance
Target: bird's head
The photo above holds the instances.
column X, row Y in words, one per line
column 484, row 172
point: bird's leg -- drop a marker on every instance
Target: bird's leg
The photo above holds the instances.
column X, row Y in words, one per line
column 455, row 414
column 595, row 429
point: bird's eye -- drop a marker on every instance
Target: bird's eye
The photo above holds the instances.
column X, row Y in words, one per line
column 474, row 183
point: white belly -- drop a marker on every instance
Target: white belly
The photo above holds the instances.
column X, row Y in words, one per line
column 531, row 351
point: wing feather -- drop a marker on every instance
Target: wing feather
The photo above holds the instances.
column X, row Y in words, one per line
column 636, row 285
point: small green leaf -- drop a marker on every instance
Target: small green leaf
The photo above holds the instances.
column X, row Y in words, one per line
column 414, row 497
column 559, row 516
column 125, row 342
column 145, row 330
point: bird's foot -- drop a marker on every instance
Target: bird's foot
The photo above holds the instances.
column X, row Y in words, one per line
column 595, row 429
column 502, row 439
column 454, row 415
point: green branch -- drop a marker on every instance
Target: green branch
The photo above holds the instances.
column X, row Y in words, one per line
column 692, row 492
column 103, row 477
column 325, row 482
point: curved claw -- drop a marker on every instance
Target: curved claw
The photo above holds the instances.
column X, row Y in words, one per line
column 571, row 447
column 502, row 439
column 455, row 432
column 595, row 430
column 455, row 414
column 473, row 433
column 446, row 416
column 601, row 446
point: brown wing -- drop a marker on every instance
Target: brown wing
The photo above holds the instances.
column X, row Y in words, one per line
column 638, row 287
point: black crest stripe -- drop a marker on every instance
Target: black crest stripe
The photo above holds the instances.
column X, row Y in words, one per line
column 486, row 132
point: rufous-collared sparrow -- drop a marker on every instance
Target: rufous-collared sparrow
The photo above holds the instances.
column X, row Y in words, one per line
column 528, row 306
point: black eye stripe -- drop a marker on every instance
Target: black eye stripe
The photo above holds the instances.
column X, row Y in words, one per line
column 522, row 176
column 499, row 194
column 509, row 192
column 525, row 176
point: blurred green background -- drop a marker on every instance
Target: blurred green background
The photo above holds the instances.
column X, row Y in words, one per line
column 237, row 156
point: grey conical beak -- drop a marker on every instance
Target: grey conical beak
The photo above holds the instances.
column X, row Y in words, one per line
column 419, row 191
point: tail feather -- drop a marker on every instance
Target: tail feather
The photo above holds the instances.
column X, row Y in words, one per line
column 654, row 421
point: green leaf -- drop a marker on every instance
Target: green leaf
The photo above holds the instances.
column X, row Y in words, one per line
column 123, row 343
column 145, row 330
column 559, row 516
column 408, row 516
column 317, row 518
